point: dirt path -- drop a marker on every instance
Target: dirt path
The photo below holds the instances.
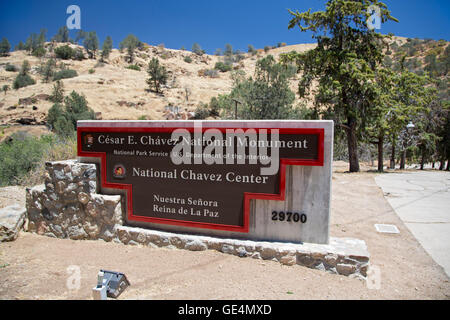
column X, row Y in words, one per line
column 35, row 267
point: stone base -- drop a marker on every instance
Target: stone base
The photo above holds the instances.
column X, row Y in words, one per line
column 342, row 256
column 68, row 206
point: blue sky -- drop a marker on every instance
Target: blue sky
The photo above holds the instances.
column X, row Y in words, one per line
column 211, row 23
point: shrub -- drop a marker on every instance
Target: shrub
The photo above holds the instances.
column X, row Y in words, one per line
column 223, row 67
column 202, row 111
column 57, row 149
column 91, row 71
column 39, row 52
column 134, row 67
column 142, row 118
column 266, row 49
column 19, row 155
column 64, row 52
column 187, row 59
column 65, row 74
column 79, row 55
column 11, row 68
column 23, row 80
column 212, row 73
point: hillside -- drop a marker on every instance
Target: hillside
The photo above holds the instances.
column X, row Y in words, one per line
column 116, row 92
column 120, row 93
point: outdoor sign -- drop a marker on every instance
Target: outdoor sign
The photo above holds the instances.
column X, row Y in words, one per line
column 198, row 174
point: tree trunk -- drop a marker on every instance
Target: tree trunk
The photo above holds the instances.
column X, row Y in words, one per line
column 442, row 164
column 380, row 154
column 422, row 160
column 403, row 160
column 352, row 144
column 392, row 162
column 448, row 164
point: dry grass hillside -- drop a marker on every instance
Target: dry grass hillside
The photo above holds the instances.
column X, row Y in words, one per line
column 116, row 92
column 120, row 93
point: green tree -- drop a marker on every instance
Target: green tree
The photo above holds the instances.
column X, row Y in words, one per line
column 5, row 88
column 345, row 59
column 4, row 47
column 19, row 46
column 107, row 47
column 197, row 49
column 158, row 75
column 62, row 35
column 90, row 43
column 131, row 42
column 48, row 70
column 57, row 95
column 444, row 143
column 81, row 35
column 264, row 96
column 429, row 124
column 63, row 119
column 228, row 50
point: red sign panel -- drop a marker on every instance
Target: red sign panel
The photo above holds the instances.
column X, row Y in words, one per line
column 221, row 169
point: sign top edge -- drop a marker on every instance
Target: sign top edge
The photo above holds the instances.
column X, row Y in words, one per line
column 208, row 123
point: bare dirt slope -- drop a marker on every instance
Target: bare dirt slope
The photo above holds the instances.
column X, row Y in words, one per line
column 35, row 267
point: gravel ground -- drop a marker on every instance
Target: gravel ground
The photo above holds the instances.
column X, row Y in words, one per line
column 36, row 267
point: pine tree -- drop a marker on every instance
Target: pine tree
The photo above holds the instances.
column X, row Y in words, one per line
column 131, row 42
column 62, row 35
column 197, row 49
column 228, row 50
column 4, row 47
column 107, row 47
column 19, row 46
column 90, row 43
column 344, row 61
column 158, row 75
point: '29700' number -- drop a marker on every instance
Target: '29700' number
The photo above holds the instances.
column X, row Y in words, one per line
column 288, row 216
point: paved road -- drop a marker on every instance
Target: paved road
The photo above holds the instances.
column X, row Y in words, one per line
column 422, row 201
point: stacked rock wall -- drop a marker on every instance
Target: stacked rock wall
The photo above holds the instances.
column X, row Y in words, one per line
column 67, row 205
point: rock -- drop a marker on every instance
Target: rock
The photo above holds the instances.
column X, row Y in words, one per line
column 256, row 255
column 345, row 269
column 226, row 248
column 12, row 219
column 304, row 259
column 196, row 245
column 331, row 259
column 83, row 198
column 26, row 121
column 268, row 253
column 288, row 260
column 124, row 236
column 60, row 187
column 241, row 252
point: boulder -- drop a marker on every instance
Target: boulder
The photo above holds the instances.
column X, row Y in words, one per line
column 12, row 219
